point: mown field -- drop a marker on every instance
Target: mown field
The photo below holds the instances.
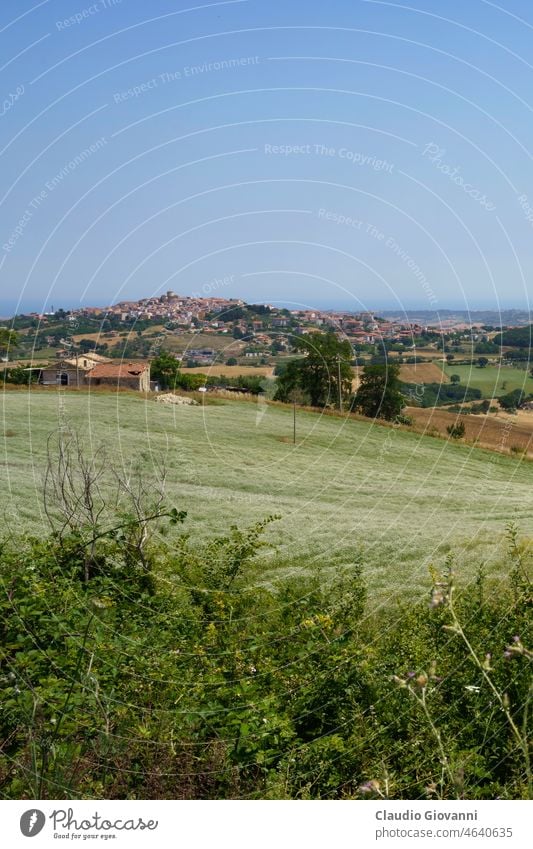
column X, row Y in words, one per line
column 492, row 380
column 348, row 491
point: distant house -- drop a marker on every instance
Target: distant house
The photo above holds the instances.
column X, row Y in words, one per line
column 65, row 373
column 86, row 361
column 70, row 371
column 93, row 370
column 120, row 375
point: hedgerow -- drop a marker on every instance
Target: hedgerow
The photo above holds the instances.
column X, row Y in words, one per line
column 171, row 671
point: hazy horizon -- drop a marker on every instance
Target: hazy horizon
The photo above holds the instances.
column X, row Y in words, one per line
column 357, row 154
column 8, row 309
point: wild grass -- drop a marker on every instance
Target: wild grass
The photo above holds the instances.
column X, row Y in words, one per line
column 347, row 490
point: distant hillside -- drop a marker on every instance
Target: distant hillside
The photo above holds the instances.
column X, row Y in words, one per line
column 518, row 337
column 511, row 317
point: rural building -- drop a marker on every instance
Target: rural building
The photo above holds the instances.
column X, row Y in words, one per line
column 86, row 361
column 65, row 373
column 70, row 371
column 124, row 375
column 94, row 370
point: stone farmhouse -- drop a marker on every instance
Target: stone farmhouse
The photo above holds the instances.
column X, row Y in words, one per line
column 94, row 370
column 125, row 375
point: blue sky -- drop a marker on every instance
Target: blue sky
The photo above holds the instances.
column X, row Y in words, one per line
column 352, row 154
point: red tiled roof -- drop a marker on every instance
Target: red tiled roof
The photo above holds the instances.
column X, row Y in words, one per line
column 120, row 370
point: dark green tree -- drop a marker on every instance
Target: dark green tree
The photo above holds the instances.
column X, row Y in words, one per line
column 379, row 394
column 165, row 368
column 456, row 431
column 289, row 382
column 326, row 360
column 512, row 400
column 8, row 339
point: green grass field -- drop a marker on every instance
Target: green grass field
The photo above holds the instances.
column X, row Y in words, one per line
column 492, row 380
column 348, row 490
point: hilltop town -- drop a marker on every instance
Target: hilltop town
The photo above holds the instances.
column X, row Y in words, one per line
column 198, row 328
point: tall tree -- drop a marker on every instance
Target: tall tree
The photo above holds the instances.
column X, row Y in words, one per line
column 324, row 374
column 379, row 394
column 8, row 339
column 289, row 382
column 165, row 368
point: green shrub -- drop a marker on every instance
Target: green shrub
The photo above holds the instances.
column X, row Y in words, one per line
column 457, row 430
column 205, row 683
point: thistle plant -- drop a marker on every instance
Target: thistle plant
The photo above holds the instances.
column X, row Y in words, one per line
column 417, row 685
column 444, row 594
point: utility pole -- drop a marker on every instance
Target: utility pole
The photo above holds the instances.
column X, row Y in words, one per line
column 339, row 379
column 294, row 420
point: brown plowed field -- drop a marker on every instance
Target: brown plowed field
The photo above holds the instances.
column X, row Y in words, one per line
column 497, row 431
column 423, row 373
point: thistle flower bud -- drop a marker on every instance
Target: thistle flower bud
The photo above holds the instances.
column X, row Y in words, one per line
column 437, row 598
column 371, row 786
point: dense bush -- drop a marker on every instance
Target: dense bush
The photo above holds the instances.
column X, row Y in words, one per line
column 516, row 337
column 513, row 400
column 437, row 394
column 18, row 375
column 172, row 671
column 457, row 430
column 486, row 348
column 248, row 383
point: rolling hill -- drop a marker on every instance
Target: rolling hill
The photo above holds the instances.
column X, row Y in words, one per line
column 349, row 490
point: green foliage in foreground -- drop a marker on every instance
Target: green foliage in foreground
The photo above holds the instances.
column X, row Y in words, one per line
column 172, row 673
